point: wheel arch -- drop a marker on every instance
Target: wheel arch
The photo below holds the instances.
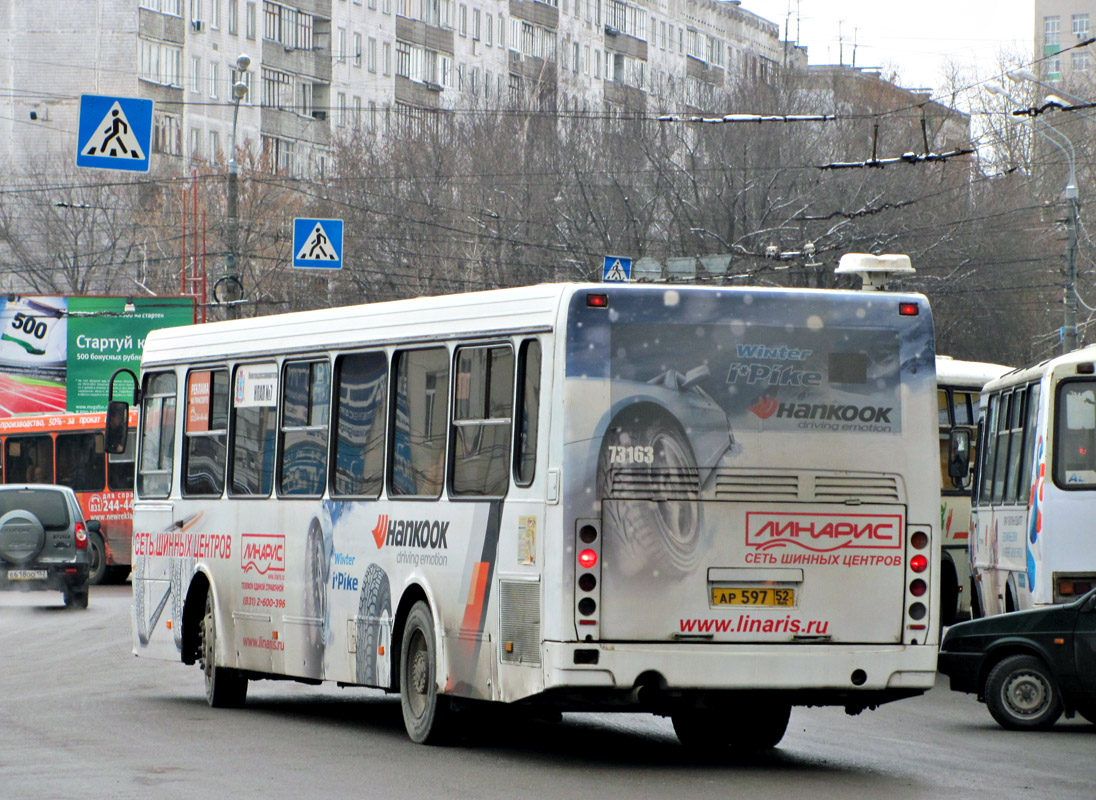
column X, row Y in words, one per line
column 1006, row 649
column 412, row 594
column 193, row 611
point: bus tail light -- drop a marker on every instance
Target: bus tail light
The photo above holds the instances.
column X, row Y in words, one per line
column 909, row 309
column 81, row 537
column 918, row 587
column 919, row 563
column 587, row 577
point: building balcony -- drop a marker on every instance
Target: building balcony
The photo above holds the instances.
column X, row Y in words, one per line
column 315, row 63
column 290, row 125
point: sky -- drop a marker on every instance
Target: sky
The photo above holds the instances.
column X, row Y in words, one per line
column 914, row 38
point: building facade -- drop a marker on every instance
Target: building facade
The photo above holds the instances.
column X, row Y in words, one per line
column 320, row 68
column 1059, row 25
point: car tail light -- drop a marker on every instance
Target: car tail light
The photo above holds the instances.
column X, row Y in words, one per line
column 919, row 563
column 81, row 537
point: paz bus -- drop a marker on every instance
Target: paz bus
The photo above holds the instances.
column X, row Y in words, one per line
column 707, row 503
column 958, row 386
column 67, row 449
column 1035, row 482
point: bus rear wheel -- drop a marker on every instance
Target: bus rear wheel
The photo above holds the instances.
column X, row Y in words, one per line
column 225, row 687
column 749, row 727
column 425, row 713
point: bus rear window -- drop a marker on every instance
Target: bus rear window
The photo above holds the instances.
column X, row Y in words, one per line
column 1075, row 435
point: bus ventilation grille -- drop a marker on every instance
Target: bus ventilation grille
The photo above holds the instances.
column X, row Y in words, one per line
column 519, row 622
column 742, row 486
column 682, row 483
column 873, row 489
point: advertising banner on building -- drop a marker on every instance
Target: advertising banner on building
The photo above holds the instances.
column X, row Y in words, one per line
column 58, row 353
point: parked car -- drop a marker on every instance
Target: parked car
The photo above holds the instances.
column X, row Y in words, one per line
column 1028, row 667
column 44, row 541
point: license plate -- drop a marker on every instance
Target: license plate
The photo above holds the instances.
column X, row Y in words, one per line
column 27, row 574
column 753, row 596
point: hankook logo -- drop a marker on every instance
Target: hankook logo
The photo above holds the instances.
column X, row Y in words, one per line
column 424, row 534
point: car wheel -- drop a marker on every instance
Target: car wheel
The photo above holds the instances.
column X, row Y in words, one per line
column 97, row 559
column 75, row 598
column 1021, row 694
column 749, row 728
column 667, row 536
column 425, row 713
column 225, row 687
column 374, row 610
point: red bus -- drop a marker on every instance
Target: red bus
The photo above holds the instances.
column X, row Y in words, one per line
column 68, row 449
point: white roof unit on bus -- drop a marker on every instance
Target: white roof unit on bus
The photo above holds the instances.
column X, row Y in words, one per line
column 970, row 374
column 875, row 271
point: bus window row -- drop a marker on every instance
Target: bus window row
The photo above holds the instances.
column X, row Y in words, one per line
column 77, row 460
column 1008, row 447
column 411, row 423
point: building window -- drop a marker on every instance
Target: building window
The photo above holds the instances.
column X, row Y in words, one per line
column 215, row 14
column 462, row 20
column 214, row 145
column 371, row 55
column 250, row 21
column 387, row 58
column 357, row 49
column 213, row 79
column 1080, row 26
column 342, row 108
column 195, row 143
column 159, row 63
column 342, row 45
column 277, row 89
column 1080, row 61
column 195, row 10
column 475, row 24
column 1052, row 26
column 196, row 74
column 233, row 13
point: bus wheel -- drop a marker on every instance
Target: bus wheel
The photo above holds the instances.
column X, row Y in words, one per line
column 750, row 727
column 225, row 688
column 97, row 559
column 1021, row 694
column 425, row 714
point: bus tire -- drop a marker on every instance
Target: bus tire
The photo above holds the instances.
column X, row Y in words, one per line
column 668, row 536
column 97, row 560
column 1021, row 694
column 374, row 611
column 752, row 727
column 425, row 713
column 225, row 687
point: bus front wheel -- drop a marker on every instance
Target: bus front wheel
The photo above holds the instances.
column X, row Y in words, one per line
column 225, row 687
column 425, row 714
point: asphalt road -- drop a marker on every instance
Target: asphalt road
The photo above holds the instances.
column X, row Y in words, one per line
column 82, row 718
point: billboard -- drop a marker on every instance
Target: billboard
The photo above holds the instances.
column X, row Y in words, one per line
column 58, row 353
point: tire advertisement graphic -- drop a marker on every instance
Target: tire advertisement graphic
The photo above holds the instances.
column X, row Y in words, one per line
column 374, row 617
column 663, row 538
column 317, row 570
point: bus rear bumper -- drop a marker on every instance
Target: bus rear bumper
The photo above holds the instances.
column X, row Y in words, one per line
column 835, row 669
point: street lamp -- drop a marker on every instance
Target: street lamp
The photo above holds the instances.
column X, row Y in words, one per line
column 1069, row 322
column 230, row 278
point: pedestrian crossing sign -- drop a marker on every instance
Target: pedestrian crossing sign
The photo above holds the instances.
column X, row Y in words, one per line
column 617, row 269
column 317, row 243
column 114, row 133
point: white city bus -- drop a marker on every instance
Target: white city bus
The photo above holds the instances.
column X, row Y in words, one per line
column 706, row 503
column 958, row 386
column 1035, row 499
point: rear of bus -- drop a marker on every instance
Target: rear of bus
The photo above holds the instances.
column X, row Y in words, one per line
column 750, row 492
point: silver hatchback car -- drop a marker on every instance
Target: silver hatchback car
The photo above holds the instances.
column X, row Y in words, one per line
column 44, row 541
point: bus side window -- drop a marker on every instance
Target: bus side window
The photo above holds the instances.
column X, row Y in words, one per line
column 528, row 410
column 121, row 466
column 254, row 430
column 81, row 461
column 1030, row 443
column 29, row 459
column 416, row 451
column 1004, row 437
column 360, row 391
column 989, row 451
column 157, row 435
column 1016, row 422
column 483, row 404
column 306, row 401
column 205, row 433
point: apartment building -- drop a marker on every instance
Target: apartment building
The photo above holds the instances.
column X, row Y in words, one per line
column 1059, row 25
column 320, row 68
